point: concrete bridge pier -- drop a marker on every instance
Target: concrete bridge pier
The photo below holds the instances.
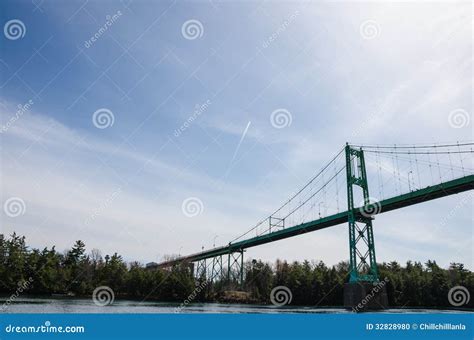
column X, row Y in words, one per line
column 365, row 296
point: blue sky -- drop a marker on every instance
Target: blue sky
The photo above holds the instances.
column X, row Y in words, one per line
column 378, row 73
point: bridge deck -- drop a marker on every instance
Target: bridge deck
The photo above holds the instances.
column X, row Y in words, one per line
column 417, row 196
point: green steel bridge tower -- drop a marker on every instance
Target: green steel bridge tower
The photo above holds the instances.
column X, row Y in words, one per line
column 361, row 235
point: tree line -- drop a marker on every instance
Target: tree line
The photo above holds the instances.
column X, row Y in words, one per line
column 76, row 272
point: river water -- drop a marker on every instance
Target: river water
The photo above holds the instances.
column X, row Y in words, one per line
column 73, row 305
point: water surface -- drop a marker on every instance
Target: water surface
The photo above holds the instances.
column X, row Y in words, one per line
column 82, row 305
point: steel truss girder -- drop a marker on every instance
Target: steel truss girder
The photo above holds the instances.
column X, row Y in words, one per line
column 213, row 269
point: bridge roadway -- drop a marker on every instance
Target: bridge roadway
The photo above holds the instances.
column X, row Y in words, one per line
column 414, row 197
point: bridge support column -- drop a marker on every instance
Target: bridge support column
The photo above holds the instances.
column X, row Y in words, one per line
column 217, row 269
column 242, row 270
column 235, row 268
column 362, row 261
column 363, row 265
column 201, row 270
column 364, row 296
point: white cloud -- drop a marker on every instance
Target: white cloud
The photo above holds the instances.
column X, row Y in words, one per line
column 398, row 87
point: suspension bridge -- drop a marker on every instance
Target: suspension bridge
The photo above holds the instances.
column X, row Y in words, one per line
column 400, row 176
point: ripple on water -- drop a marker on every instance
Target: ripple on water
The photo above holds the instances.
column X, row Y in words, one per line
column 67, row 305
